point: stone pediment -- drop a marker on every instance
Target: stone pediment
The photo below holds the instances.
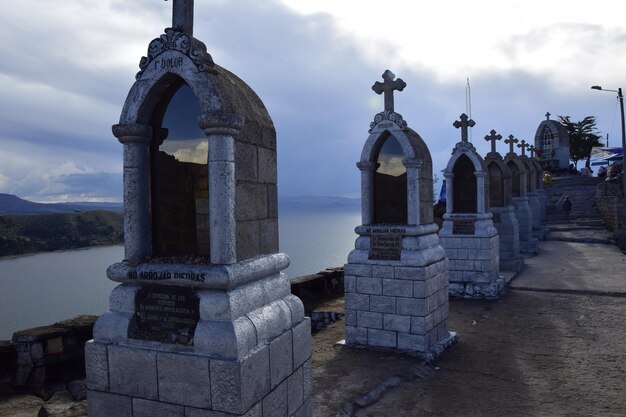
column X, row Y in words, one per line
column 385, row 120
column 173, row 40
column 464, row 147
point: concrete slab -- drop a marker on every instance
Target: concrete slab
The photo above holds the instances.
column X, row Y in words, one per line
column 574, row 267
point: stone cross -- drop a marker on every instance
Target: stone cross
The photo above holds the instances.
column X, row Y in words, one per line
column 511, row 141
column 182, row 16
column 531, row 148
column 493, row 137
column 464, row 123
column 548, row 116
column 523, row 145
column 387, row 87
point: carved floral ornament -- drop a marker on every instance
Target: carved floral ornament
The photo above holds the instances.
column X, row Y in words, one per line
column 173, row 40
column 464, row 147
column 392, row 117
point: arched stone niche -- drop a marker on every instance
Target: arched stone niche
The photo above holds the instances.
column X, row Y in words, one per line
column 401, row 150
column 467, row 189
column 201, row 282
column 397, row 239
column 468, row 223
column 499, row 183
column 518, row 176
column 237, row 219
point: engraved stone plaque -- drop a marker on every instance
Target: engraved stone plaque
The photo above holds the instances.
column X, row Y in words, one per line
column 166, row 314
column 385, row 245
column 463, row 226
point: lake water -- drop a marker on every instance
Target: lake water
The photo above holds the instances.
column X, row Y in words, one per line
column 44, row 288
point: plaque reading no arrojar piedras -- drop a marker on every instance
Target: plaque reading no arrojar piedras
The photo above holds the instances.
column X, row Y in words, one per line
column 166, row 314
column 385, row 245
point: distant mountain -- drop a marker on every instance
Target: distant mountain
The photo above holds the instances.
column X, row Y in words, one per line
column 12, row 204
column 316, row 203
column 33, row 233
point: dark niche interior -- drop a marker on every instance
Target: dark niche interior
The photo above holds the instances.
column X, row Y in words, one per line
column 515, row 191
column 180, row 198
column 390, row 184
column 496, row 185
column 464, row 186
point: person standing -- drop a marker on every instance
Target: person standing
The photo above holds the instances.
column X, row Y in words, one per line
column 567, row 207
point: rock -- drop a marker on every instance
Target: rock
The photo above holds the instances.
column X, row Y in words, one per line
column 20, row 406
column 62, row 405
column 78, row 390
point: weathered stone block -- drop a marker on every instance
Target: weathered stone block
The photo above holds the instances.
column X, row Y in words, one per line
column 382, row 304
column 246, row 162
column 411, row 342
column 350, row 317
column 133, row 372
column 356, row 335
column 97, row 366
column 397, row 323
column 349, row 283
column 237, row 385
column 281, row 358
column 358, row 270
column 248, row 242
column 296, row 307
column 380, row 271
column 295, row 391
column 413, row 273
column 275, row 404
column 307, row 378
column 397, row 287
column 268, row 236
column 102, row 404
column 357, row 301
column 301, row 342
column 251, row 201
column 411, row 306
column 370, row 319
column 267, row 165
column 382, row 338
column 145, row 408
column 184, row 379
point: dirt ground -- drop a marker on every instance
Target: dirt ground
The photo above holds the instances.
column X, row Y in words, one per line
column 528, row 354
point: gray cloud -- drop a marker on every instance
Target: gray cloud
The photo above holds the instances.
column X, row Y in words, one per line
column 67, row 67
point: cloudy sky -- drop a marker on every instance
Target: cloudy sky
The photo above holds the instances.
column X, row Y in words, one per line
column 67, row 65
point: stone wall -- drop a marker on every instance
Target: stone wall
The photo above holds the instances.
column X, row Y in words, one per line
column 610, row 202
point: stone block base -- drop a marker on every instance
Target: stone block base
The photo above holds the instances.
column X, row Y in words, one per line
column 399, row 304
column 530, row 246
column 275, row 380
column 478, row 291
column 250, row 354
column 474, row 260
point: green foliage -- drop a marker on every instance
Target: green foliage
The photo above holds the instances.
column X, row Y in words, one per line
column 583, row 136
column 48, row 232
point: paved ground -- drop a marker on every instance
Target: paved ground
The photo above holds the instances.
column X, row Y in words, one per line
column 554, row 345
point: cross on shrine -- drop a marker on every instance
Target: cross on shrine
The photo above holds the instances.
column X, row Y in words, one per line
column 387, row 87
column 464, row 123
column 511, row 141
column 182, row 16
column 548, row 116
column 493, row 137
column 523, row 145
column 531, row 148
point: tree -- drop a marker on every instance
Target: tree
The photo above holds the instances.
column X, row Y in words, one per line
column 583, row 136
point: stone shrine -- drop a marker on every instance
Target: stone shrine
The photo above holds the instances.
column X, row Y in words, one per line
column 203, row 322
column 552, row 144
column 532, row 174
column 468, row 233
column 539, row 188
column 396, row 278
column 519, row 186
column 501, row 206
